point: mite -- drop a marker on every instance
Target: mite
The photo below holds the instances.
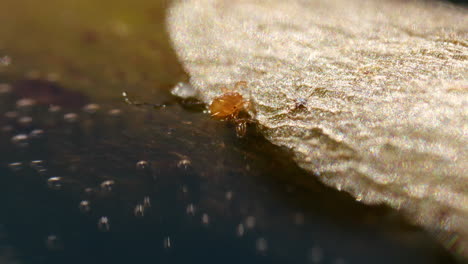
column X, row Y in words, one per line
column 229, row 105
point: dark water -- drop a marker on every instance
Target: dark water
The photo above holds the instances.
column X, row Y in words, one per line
column 174, row 185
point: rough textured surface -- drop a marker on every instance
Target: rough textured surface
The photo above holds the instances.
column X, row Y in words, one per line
column 370, row 96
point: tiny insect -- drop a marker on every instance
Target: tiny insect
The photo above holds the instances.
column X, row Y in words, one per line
column 229, row 106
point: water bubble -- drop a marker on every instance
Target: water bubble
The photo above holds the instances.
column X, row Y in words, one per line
column 54, row 183
column 91, row 108
column 139, row 210
column 250, row 222
column 5, row 88
column 261, row 245
column 167, row 243
column 190, row 210
column 41, row 171
column 36, row 133
column 20, row 140
column 315, row 255
column 70, row 117
column 229, row 195
column 15, row 166
column 107, row 186
column 11, row 115
column 53, row 242
column 146, row 202
column 25, row 120
column 240, row 230
column 103, row 224
column 25, row 102
column 115, row 112
column 54, row 108
column 205, row 219
column 184, row 90
column 84, row 206
column 36, row 163
column 184, row 163
column 142, row 165
column 89, row 191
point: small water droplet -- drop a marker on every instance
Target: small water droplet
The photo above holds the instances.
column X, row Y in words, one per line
column 146, row 202
column 142, row 165
column 15, row 166
column 25, row 120
column 104, row 224
column 139, row 210
column 36, row 164
column 54, row 108
column 70, row 117
column 84, row 206
column 261, row 245
column 190, row 210
column 11, row 115
column 20, row 140
column 115, row 112
column 36, row 133
column 167, row 243
column 89, row 191
column 184, row 164
column 25, row 102
column 53, row 243
column 184, row 90
column 240, row 230
column 250, row 222
column 5, row 88
column 205, row 219
column 107, row 186
column 54, row 183
column 41, row 171
column 91, row 108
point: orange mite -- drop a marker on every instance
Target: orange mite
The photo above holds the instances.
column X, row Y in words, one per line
column 228, row 106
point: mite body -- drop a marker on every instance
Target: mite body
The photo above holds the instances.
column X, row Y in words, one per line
column 228, row 106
